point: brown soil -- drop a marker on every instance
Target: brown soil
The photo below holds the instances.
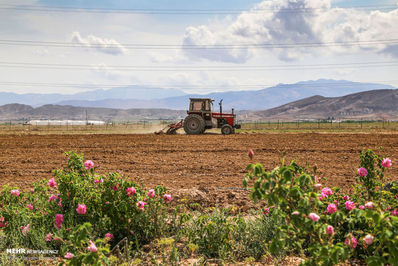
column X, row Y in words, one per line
column 197, row 167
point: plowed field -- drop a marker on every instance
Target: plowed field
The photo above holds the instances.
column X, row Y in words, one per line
column 185, row 163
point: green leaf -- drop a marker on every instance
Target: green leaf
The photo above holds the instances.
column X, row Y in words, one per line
column 245, row 182
column 295, row 192
column 249, row 167
column 258, row 169
column 374, row 261
column 276, row 246
column 324, row 251
column 287, row 175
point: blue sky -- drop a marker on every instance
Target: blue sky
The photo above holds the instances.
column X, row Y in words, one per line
column 260, row 45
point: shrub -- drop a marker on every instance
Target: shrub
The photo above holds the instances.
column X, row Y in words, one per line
column 218, row 234
column 326, row 226
column 78, row 200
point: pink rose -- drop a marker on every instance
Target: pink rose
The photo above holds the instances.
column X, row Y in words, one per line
column 88, row 164
column 325, row 192
column 25, row 229
column 3, row 224
column 362, row 172
column 330, row 230
column 59, row 219
column 52, row 183
column 369, row 205
column 130, row 191
column 394, row 212
column 251, row 154
column 313, row 217
column 295, row 213
column 151, row 193
column 266, row 211
column 68, row 256
column 141, row 205
column 52, row 197
column 351, row 242
column 49, row 237
column 346, row 197
column 98, row 181
column 81, row 209
column 361, row 207
column 29, row 206
column 386, row 162
column 167, row 198
column 349, row 205
column 332, row 208
column 318, row 186
column 109, row 236
column 15, row 192
column 368, row 239
column 92, row 247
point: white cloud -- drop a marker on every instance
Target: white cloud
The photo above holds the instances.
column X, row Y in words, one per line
column 176, row 57
column 103, row 70
column 108, row 46
column 207, row 39
column 201, row 82
column 291, row 22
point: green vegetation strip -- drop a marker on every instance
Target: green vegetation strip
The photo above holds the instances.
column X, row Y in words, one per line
column 80, row 217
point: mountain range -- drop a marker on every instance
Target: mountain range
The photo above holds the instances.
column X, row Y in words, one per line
column 142, row 97
column 131, row 92
column 372, row 105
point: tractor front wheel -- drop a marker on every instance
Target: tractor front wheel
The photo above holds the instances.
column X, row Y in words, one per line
column 226, row 129
column 194, row 124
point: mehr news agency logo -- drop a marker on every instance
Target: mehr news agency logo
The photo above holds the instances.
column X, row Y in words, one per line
column 14, row 252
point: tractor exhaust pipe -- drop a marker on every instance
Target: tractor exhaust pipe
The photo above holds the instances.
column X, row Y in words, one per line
column 220, row 103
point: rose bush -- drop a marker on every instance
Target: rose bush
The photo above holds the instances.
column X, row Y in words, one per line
column 329, row 227
column 84, row 214
column 46, row 216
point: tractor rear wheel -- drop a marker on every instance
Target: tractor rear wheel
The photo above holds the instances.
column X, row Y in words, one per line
column 226, row 129
column 194, row 124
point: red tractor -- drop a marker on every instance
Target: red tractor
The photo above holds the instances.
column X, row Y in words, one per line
column 201, row 117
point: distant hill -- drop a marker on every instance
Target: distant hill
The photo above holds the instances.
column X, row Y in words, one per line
column 145, row 97
column 376, row 104
column 242, row 100
column 26, row 112
column 132, row 92
column 120, row 103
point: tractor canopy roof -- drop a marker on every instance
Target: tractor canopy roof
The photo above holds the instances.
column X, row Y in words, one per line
column 201, row 99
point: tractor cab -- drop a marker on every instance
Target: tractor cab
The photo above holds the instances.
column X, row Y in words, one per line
column 200, row 105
